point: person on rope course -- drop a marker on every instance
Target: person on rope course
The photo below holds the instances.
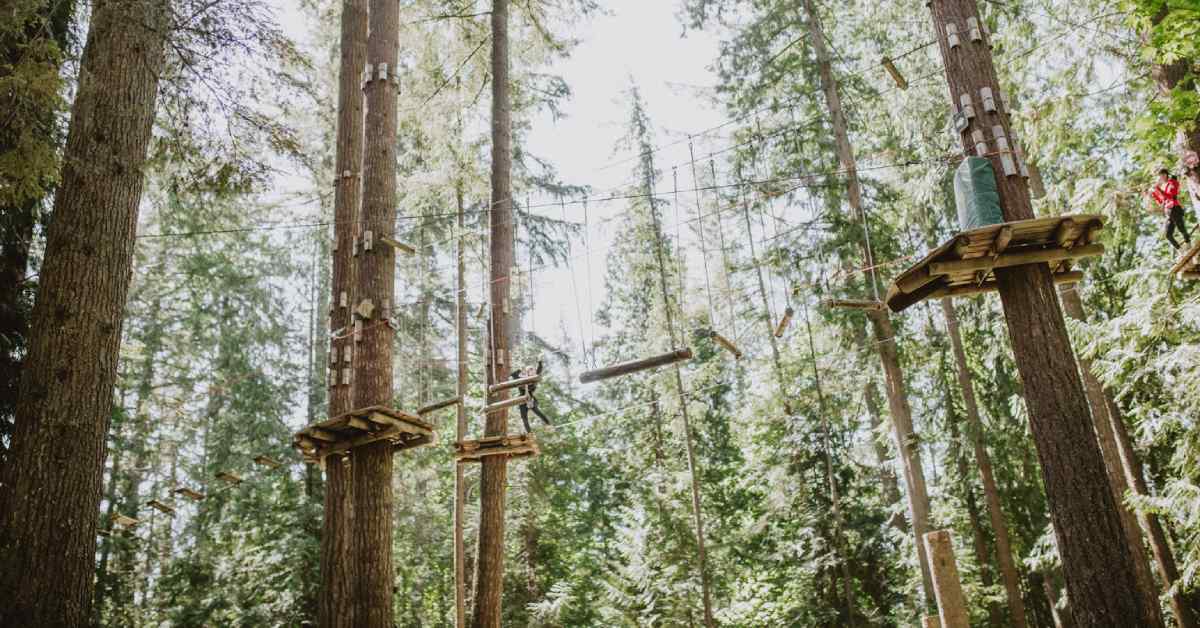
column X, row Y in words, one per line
column 532, row 403
column 1166, row 195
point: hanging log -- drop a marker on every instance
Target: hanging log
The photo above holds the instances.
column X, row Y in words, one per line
column 230, row 477
column 189, row 493
column 124, row 521
column 854, row 304
column 398, row 245
column 726, row 343
column 627, row 368
column 161, row 506
column 267, row 461
column 514, row 383
column 439, row 405
column 505, row 403
column 784, row 322
column 891, row 68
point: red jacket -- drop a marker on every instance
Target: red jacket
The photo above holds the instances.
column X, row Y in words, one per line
column 1167, row 194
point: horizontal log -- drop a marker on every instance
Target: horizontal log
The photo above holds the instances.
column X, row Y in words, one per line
column 514, row 383
column 627, row 368
column 853, row 304
column 267, row 461
column 505, row 403
column 1019, row 258
column 990, row 286
column 440, row 405
column 727, row 344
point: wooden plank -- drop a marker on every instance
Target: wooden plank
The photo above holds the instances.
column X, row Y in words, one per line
column 124, row 521
column 440, row 405
column 1064, row 233
column 404, row 435
column 505, row 403
column 323, row 434
column 1015, row 258
column 853, row 304
column 990, row 286
column 784, row 322
column 267, row 461
column 513, row 446
column 230, row 477
column 404, row 425
column 398, row 245
column 628, row 368
column 359, row 424
column 513, row 383
column 1188, row 260
column 161, row 506
column 1003, row 237
column 189, row 493
column 726, row 343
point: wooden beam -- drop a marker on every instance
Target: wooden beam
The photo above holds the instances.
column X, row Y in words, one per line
column 322, row 434
column 915, row 279
column 124, row 521
column 1018, row 258
column 359, row 424
column 396, row 244
column 505, row 403
column 990, row 286
column 514, row 383
column 267, row 461
column 1062, row 233
column 627, row 368
column 1003, row 237
column 726, row 343
column 161, row 506
column 189, row 493
column 784, row 322
column 891, row 68
column 230, row 477
column 853, row 304
column 440, row 405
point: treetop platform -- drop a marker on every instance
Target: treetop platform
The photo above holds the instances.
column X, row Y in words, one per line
column 513, row 446
column 964, row 264
column 361, row 427
column 1188, row 266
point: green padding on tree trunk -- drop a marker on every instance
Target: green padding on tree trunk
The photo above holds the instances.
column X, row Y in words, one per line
column 976, row 195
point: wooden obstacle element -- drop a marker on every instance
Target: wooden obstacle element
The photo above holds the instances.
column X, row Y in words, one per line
column 784, row 322
column 267, row 461
column 161, row 506
column 519, row 446
column 506, row 403
column 230, row 477
column 947, row 587
column 964, row 264
column 439, row 405
column 853, row 304
column 398, row 245
column 892, row 70
column 189, row 493
column 362, row 427
column 1188, row 266
column 514, row 383
column 725, row 343
column 124, row 521
column 627, row 368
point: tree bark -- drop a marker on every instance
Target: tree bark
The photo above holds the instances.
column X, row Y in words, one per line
column 48, row 520
column 902, row 427
column 336, row 608
column 1125, row 475
column 1004, row 553
column 489, row 564
column 1096, row 557
column 371, row 469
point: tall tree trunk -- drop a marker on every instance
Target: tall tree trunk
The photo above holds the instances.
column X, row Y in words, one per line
column 489, row 564
column 1096, row 557
column 338, row 567
column 907, row 446
column 1004, row 553
column 1125, row 474
column 375, row 283
column 47, row 520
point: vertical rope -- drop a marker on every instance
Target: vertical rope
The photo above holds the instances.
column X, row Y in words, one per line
column 587, row 227
column 574, row 288
column 712, row 167
column 679, row 250
column 712, row 319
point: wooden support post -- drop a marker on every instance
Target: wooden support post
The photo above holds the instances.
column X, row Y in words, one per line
column 627, row 368
column 1096, row 557
column 952, row 605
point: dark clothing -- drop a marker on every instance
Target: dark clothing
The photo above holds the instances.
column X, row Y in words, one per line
column 1175, row 221
column 532, row 403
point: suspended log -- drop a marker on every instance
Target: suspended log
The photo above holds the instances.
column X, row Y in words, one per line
column 514, row 383
column 726, row 343
column 853, row 304
column 189, row 493
column 784, row 322
column 891, row 68
column 439, row 405
column 267, row 461
column 628, row 368
column 230, row 477
column 398, row 245
column 161, row 506
column 505, row 403
column 124, row 521
column 519, row 446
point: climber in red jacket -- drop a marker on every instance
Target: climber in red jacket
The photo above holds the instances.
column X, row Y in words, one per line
column 1166, row 194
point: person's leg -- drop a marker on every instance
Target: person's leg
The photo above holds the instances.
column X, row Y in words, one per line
column 525, row 417
column 1171, row 232
column 541, row 416
column 1177, row 216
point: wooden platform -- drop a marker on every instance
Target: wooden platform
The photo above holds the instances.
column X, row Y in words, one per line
column 963, row 265
column 230, row 477
column 124, row 521
column 161, row 506
column 1188, row 266
column 518, row 446
column 361, row 427
column 191, row 494
column 267, row 461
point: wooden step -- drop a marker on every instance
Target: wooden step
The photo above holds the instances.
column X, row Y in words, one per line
column 230, row 477
column 513, row 446
column 267, row 461
column 161, row 506
column 189, row 493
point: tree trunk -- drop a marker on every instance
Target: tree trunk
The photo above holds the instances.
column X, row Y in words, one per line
column 371, row 469
column 489, row 564
column 1004, row 553
column 907, row 446
column 48, row 520
column 338, row 568
column 1096, row 557
column 1125, row 474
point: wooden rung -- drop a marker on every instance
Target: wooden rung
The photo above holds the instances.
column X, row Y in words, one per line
column 267, row 461
column 726, row 343
column 990, row 286
column 514, row 383
column 1018, row 258
column 440, row 405
column 520, row 446
column 124, row 521
column 1003, row 237
column 628, row 368
column 398, row 245
column 161, row 506
column 784, row 322
column 853, row 304
column 505, row 403
column 189, row 493
column 230, row 477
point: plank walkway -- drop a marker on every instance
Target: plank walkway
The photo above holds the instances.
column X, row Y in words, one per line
column 964, row 265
